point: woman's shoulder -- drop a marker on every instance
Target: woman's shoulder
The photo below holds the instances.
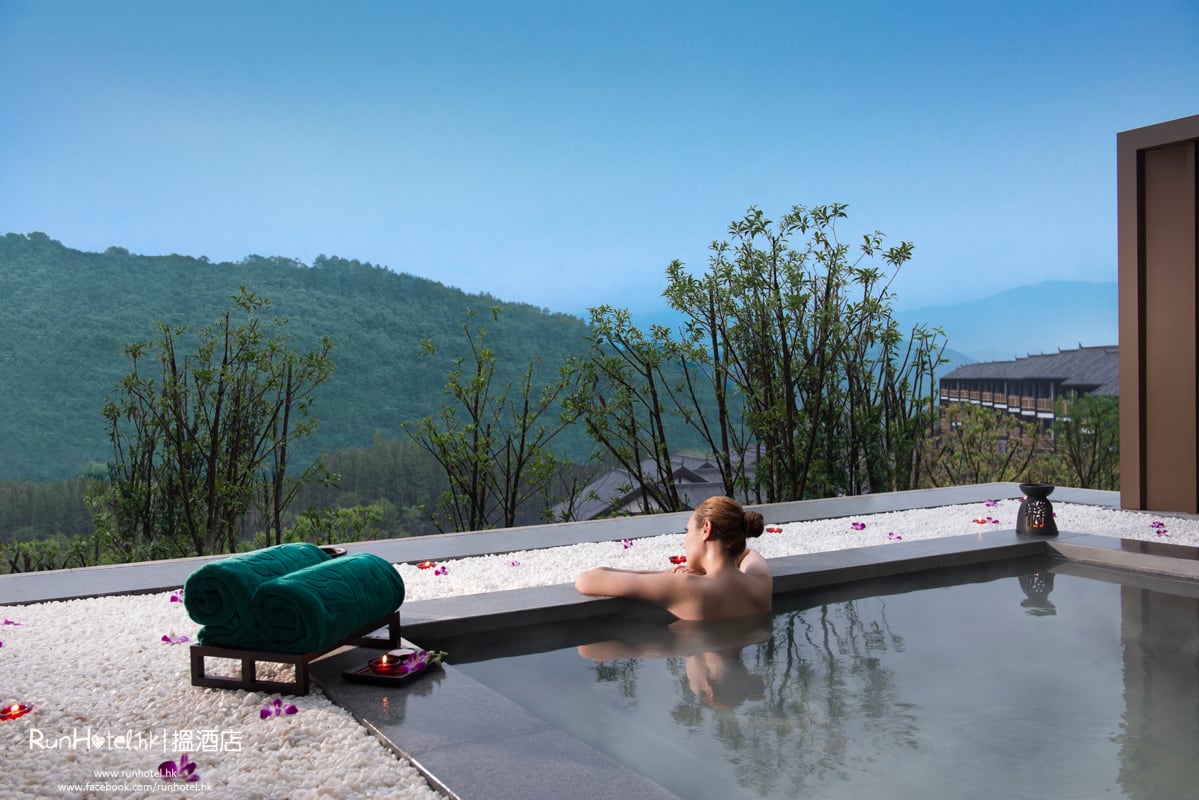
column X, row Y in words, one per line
column 752, row 563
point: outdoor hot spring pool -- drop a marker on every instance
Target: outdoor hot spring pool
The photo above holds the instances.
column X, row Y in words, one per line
column 1030, row 678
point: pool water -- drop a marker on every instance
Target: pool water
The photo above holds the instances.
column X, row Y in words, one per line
column 1028, row 679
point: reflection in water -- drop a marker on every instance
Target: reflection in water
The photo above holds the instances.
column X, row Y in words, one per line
column 802, row 698
column 830, row 694
column 720, row 679
column 1037, row 586
column 1160, row 634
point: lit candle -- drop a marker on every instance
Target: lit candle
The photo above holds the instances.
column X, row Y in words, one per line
column 384, row 665
column 15, row 710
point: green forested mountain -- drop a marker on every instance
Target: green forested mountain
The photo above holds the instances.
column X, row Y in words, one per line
column 66, row 315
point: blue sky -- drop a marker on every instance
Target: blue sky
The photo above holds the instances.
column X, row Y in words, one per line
column 563, row 153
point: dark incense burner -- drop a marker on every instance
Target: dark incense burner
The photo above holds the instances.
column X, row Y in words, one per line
column 1036, row 512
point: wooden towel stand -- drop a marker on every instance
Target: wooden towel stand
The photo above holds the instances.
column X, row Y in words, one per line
column 248, row 679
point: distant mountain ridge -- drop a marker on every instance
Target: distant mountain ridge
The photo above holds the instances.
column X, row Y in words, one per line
column 1026, row 320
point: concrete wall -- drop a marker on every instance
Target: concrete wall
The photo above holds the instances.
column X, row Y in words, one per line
column 1157, row 187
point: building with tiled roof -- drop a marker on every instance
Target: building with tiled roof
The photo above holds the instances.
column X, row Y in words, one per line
column 1030, row 386
column 617, row 493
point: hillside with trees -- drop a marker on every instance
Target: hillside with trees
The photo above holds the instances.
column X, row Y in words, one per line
column 67, row 315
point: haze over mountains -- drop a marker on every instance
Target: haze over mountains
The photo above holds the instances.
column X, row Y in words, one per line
column 1044, row 318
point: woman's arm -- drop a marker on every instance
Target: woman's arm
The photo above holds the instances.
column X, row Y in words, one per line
column 661, row 587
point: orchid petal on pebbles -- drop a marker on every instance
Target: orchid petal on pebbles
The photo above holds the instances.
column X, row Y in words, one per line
column 101, row 663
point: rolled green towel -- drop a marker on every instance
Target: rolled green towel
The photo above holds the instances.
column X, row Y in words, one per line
column 317, row 607
column 218, row 594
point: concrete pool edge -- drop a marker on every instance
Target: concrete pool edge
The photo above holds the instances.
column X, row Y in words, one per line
column 473, row 742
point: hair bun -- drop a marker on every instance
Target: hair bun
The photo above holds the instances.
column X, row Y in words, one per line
column 753, row 524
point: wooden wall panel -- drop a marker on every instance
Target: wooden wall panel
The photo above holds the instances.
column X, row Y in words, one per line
column 1158, row 208
column 1169, row 396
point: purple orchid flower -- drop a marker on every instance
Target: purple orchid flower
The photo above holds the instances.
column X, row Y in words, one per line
column 442, row 570
column 171, row 638
column 8, row 621
column 184, row 770
column 991, row 503
column 415, row 662
column 177, row 597
column 627, row 543
column 514, row 563
column 895, row 537
column 276, row 708
column 419, row 661
column 858, row 526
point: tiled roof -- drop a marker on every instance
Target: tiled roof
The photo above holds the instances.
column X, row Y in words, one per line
column 1095, row 370
column 598, row 498
column 696, row 477
column 692, row 494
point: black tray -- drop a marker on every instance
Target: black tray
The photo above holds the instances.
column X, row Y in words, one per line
column 366, row 675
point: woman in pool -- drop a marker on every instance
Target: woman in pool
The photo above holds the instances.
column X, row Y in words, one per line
column 722, row 578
